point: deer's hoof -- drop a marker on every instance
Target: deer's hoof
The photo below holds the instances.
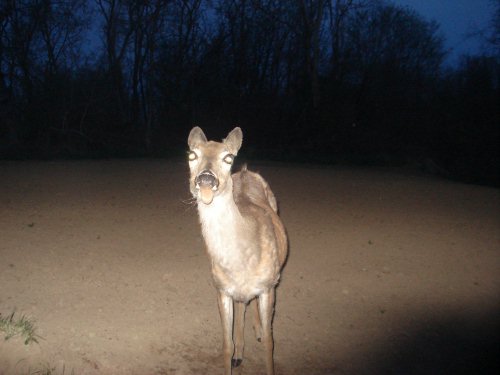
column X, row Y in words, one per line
column 235, row 362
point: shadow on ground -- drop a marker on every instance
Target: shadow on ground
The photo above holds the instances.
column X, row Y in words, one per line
column 458, row 344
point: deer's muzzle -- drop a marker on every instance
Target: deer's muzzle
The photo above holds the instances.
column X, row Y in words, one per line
column 207, row 178
column 206, row 183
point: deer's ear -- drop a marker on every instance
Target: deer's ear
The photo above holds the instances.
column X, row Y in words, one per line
column 196, row 137
column 233, row 140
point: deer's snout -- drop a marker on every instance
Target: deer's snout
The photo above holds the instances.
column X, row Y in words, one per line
column 207, row 179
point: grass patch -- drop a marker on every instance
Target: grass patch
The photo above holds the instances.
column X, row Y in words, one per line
column 49, row 370
column 46, row 370
column 22, row 326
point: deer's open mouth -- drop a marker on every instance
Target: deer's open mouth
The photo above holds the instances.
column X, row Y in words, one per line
column 207, row 184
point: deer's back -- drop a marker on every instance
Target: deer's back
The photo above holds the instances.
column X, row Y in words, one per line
column 254, row 197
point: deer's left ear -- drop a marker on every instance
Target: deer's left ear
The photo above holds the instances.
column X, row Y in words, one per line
column 233, row 140
column 196, row 137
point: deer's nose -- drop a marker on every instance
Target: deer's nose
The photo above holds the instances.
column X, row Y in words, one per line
column 207, row 178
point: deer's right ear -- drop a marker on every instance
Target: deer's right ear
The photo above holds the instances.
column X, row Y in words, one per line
column 196, row 137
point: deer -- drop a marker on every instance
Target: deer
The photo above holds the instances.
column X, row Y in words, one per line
column 245, row 240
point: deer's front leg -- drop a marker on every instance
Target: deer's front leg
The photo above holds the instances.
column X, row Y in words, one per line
column 226, row 317
column 238, row 332
column 266, row 311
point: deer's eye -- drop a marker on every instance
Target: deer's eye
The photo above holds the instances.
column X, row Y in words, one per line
column 229, row 158
column 192, row 155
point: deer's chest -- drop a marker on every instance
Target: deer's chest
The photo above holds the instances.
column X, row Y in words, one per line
column 239, row 264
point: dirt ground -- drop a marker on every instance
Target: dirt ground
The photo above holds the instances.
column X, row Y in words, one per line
column 390, row 272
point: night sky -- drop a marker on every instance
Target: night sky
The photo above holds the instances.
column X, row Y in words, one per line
column 461, row 21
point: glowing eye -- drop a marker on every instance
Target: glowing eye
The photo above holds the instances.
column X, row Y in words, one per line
column 192, row 156
column 229, row 158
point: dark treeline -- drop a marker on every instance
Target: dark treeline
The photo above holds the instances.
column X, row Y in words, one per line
column 317, row 80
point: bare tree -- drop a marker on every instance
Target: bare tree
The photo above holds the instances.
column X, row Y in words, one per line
column 19, row 26
column 312, row 17
column 146, row 21
column 61, row 24
column 39, row 42
column 117, row 34
column 394, row 55
column 337, row 20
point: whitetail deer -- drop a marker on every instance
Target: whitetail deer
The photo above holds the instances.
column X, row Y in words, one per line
column 245, row 239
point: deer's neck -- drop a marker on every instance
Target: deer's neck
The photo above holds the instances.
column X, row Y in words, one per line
column 220, row 222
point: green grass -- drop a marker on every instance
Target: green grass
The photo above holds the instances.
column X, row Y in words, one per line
column 49, row 370
column 22, row 326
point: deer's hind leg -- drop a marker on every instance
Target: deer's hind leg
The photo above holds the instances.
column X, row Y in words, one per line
column 257, row 326
column 238, row 333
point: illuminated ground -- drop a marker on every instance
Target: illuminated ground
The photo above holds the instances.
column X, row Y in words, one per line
column 389, row 272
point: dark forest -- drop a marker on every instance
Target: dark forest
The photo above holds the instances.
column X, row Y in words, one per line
column 323, row 81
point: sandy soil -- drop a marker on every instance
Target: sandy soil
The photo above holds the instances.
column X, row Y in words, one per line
column 389, row 272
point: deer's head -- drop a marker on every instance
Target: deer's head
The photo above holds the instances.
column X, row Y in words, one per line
column 210, row 163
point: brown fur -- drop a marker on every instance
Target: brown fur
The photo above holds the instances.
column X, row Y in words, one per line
column 246, row 240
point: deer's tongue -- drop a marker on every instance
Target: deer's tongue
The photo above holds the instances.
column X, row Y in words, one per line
column 206, row 194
